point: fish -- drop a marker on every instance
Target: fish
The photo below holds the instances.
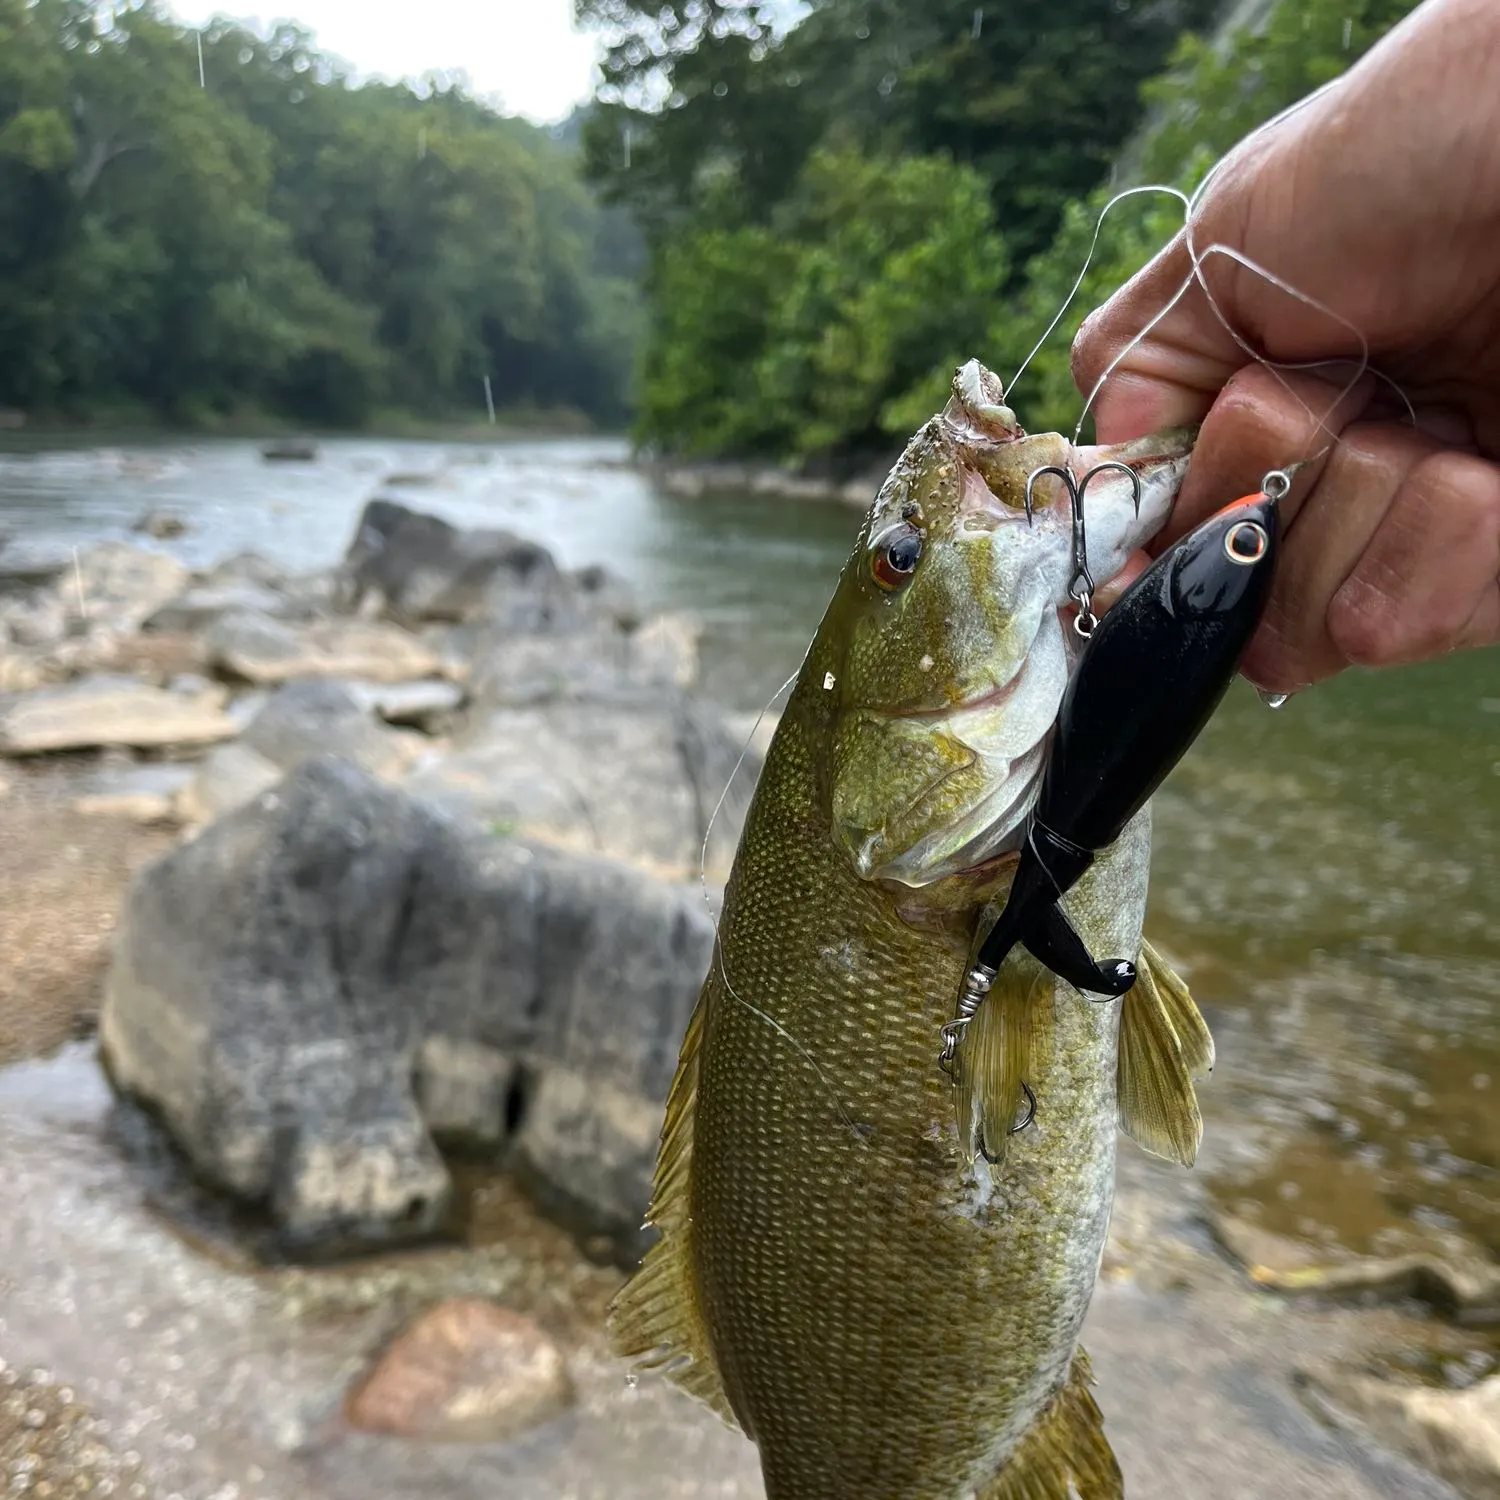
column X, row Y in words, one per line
column 865, row 1267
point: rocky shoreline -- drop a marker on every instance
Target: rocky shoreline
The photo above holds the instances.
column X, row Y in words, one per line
column 387, row 887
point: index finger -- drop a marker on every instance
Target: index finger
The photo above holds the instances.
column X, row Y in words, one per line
column 1171, row 373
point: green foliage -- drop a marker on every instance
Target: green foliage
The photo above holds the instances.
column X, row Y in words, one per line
column 841, row 213
column 273, row 238
column 1212, row 96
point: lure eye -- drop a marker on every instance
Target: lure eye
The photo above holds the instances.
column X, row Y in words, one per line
column 896, row 555
column 1246, row 543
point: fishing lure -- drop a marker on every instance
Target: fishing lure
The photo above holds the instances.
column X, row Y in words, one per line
column 1148, row 679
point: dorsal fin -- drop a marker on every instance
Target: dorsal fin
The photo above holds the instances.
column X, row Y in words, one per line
column 1065, row 1456
column 1164, row 1045
column 655, row 1320
column 993, row 1059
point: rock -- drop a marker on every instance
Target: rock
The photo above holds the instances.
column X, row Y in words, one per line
column 200, row 607
column 144, row 794
column 266, row 998
column 122, row 585
column 243, row 568
column 1455, row 1434
column 24, row 564
column 318, row 717
column 161, row 524
column 290, row 450
column 464, row 1091
column 20, row 672
column 280, row 982
column 42, row 620
column 266, row 651
column 631, row 782
column 465, row 1372
column 1453, row 1288
column 100, row 711
column 423, row 705
column 650, row 664
column 418, row 567
column 229, row 777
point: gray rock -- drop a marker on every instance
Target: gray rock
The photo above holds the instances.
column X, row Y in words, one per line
column 266, row 651
column 635, row 782
column 244, row 568
column 280, row 984
column 229, row 777
column 161, row 524
column 290, row 450
column 423, row 705
column 1455, row 1434
column 418, row 568
column 42, row 620
column 144, row 794
column 261, row 999
column 651, row 663
column 98, row 711
column 200, row 607
column 320, row 717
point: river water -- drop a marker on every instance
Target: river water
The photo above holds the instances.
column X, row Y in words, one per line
column 1328, row 875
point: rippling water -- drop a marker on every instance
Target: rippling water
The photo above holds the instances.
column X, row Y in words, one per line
column 1327, row 874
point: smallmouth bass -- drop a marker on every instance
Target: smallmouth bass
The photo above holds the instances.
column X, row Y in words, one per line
column 860, row 1265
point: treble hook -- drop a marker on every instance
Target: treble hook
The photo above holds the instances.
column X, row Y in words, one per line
column 1081, row 584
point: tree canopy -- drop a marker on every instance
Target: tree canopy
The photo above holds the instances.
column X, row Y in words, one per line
column 839, row 212
column 263, row 234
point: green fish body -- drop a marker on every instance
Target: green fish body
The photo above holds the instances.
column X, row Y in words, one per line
column 860, row 1264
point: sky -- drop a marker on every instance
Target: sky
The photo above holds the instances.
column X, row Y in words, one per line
column 523, row 55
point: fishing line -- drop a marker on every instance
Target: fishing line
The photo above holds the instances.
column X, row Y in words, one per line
column 845, row 1117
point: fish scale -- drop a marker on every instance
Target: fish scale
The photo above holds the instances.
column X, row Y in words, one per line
column 889, row 1314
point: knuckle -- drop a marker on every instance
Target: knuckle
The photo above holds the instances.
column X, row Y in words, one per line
column 1366, row 624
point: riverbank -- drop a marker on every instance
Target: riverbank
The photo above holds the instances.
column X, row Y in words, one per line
column 695, row 479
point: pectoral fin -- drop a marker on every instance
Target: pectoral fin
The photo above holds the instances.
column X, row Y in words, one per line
column 655, row 1321
column 1065, row 1456
column 1164, row 1045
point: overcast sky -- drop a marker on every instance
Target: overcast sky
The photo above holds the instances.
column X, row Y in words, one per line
column 523, row 54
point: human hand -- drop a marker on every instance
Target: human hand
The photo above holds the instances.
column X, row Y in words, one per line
column 1380, row 198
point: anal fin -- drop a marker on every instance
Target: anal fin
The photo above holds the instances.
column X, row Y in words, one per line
column 655, row 1320
column 1164, row 1045
column 1065, row 1456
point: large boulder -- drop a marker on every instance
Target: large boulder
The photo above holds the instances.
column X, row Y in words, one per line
column 419, row 568
column 294, row 988
column 304, row 720
column 637, row 782
column 96, row 712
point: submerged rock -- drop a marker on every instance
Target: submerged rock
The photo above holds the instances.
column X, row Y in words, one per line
column 1455, row 1434
column 1464, row 1289
column 94, row 712
column 465, row 1372
column 163, row 525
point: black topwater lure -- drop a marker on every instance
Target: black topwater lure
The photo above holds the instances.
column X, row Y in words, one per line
column 1147, row 681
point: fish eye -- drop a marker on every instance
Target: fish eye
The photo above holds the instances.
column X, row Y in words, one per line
column 1246, row 543
column 895, row 555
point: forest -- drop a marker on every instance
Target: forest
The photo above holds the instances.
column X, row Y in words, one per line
column 838, row 214
column 773, row 232
column 186, row 240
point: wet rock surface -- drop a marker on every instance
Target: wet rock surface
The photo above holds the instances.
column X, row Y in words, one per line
column 465, row 1372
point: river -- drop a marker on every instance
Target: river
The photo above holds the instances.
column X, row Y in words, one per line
column 1325, row 874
